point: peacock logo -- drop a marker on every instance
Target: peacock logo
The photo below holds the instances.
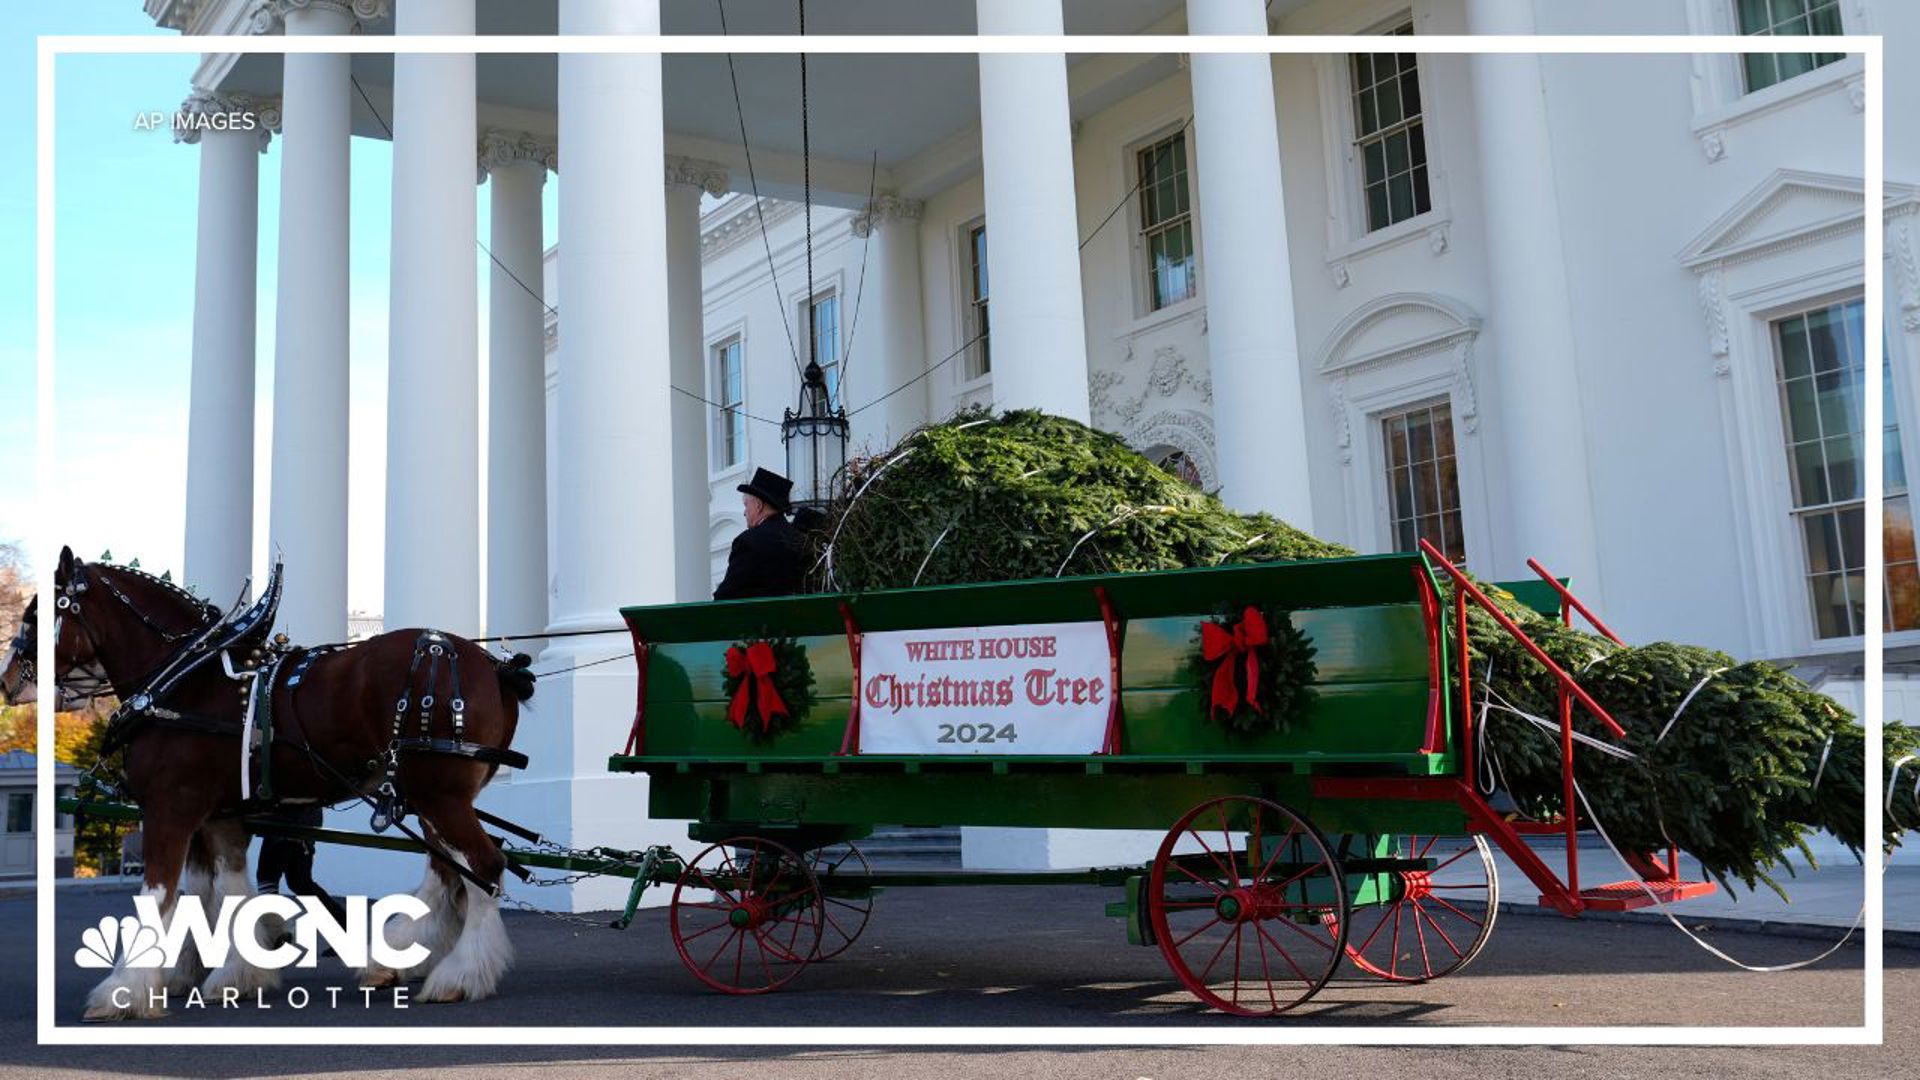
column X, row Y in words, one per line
column 128, row 941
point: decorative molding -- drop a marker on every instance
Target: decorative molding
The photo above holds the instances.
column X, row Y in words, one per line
column 265, row 113
column 1342, row 422
column 744, row 222
column 709, row 176
column 1442, row 326
column 1713, row 143
column 271, row 16
column 500, row 149
column 1857, row 93
column 886, row 210
column 1342, row 277
column 1909, row 268
column 1189, row 431
column 1715, row 309
column 1791, row 208
column 1437, row 239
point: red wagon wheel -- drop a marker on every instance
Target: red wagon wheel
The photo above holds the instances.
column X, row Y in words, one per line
column 843, row 911
column 1426, row 923
column 1242, row 896
column 758, row 925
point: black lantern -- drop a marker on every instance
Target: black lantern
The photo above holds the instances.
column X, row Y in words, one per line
column 816, row 442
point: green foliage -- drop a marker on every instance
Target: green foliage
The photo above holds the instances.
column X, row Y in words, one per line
column 1025, row 495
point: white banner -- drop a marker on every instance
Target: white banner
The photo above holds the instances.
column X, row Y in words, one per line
column 1042, row 688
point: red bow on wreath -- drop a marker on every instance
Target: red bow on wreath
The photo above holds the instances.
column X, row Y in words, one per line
column 753, row 666
column 1226, row 644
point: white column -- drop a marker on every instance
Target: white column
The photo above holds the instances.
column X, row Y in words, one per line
column 1252, row 345
column 307, row 523
column 1033, row 246
column 433, row 379
column 613, row 427
column 516, row 165
column 891, row 350
column 219, row 540
column 1529, row 326
column 687, row 180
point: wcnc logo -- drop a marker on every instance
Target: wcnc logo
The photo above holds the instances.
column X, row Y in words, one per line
column 146, row 939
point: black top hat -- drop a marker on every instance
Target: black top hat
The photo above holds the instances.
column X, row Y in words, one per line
column 772, row 488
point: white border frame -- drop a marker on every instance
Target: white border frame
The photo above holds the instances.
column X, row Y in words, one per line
column 1869, row 1032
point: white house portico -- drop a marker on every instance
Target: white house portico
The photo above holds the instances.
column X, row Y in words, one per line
column 1603, row 310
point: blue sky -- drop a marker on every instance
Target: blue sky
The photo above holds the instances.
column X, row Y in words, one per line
column 126, row 205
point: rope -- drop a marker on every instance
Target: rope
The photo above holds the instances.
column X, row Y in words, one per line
column 1685, row 701
column 860, row 291
column 806, row 196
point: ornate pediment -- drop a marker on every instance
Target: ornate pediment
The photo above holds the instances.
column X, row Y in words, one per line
column 1788, row 209
column 1398, row 326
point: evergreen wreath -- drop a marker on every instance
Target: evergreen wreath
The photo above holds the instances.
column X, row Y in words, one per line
column 1254, row 670
column 769, row 686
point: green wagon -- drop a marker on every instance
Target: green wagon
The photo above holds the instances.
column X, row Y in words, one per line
column 1346, row 829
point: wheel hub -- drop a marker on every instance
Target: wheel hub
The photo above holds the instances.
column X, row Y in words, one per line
column 1416, row 884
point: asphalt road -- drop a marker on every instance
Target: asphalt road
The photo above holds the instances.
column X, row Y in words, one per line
column 1028, row 957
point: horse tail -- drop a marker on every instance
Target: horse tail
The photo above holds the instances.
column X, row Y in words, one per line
column 516, row 676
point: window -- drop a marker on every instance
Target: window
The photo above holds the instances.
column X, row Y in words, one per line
column 825, row 346
column 1390, row 138
column 20, row 812
column 1821, row 371
column 1180, row 464
column 981, row 361
column 1790, row 17
column 1166, row 221
column 1423, row 480
column 730, row 422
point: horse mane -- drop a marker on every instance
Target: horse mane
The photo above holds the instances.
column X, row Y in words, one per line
column 186, row 603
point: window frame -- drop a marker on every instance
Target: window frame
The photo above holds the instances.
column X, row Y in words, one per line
column 1358, row 142
column 828, row 287
column 1347, row 234
column 731, row 332
column 1721, row 100
column 1746, row 82
column 717, row 465
column 1140, row 241
column 1383, row 464
column 975, row 311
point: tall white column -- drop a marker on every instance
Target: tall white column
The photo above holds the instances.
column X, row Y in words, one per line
column 890, row 351
column 516, row 165
column 613, row 426
column 687, row 180
column 219, row 540
column 1529, row 325
column 307, row 523
column 1033, row 246
column 433, row 379
column 1252, row 344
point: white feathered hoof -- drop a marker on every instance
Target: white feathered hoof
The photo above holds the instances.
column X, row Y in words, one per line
column 104, row 1005
column 480, row 956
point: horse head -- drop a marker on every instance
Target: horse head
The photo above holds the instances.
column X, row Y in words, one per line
column 111, row 623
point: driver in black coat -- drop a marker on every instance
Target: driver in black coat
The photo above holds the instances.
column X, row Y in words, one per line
column 767, row 557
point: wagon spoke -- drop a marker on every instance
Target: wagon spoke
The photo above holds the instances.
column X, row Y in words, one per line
column 1196, row 932
column 1443, row 903
column 1285, row 841
column 1379, row 926
column 1216, row 889
column 1393, row 958
column 1420, row 932
column 1291, row 925
column 722, row 925
column 1419, row 912
column 1266, row 973
column 728, row 940
column 1455, row 857
column 1235, row 936
column 1226, row 872
column 1284, row 954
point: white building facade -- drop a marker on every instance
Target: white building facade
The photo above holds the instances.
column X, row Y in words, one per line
column 1606, row 311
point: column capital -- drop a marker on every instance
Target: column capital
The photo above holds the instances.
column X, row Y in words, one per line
column 885, row 210
column 270, row 16
column 709, row 176
column 501, row 149
column 212, row 110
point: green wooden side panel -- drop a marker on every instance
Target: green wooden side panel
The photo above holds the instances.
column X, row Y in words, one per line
column 1536, row 594
column 977, row 797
